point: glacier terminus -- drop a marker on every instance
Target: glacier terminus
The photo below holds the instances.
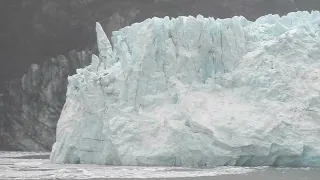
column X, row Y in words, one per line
column 195, row 91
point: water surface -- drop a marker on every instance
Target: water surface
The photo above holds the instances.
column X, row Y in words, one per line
column 26, row 165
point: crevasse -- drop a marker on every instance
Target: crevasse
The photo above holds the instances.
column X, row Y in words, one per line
column 198, row 91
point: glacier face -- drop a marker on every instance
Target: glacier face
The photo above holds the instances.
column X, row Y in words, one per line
column 198, row 92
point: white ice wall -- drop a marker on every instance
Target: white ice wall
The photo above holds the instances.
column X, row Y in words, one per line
column 198, row 92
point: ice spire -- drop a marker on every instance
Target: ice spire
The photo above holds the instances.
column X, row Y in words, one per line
column 104, row 46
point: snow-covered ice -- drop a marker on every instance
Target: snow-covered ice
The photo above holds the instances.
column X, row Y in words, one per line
column 197, row 91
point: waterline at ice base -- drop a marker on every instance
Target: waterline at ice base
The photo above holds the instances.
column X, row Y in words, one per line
column 195, row 91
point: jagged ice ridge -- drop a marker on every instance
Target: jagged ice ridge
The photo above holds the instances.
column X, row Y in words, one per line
column 192, row 91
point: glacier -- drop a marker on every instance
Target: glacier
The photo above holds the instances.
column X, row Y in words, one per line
column 195, row 91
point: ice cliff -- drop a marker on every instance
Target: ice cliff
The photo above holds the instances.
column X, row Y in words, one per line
column 198, row 91
column 30, row 106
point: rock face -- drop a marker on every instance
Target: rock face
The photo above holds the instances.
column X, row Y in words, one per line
column 31, row 106
column 198, row 92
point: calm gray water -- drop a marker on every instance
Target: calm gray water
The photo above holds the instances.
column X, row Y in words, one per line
column 26, row 165
column 269, row 174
